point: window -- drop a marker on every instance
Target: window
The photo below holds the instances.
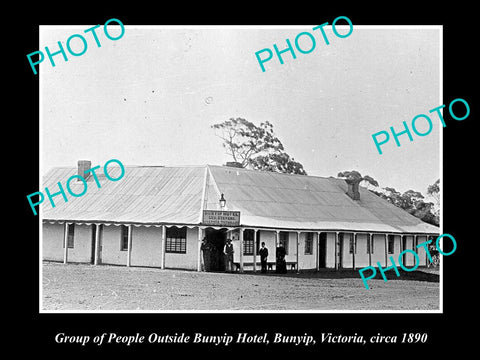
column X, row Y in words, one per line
column 309, row 244
column 176, row 241
column 248, row 242
column 391, row 244
column 370, row 244
column 124, row 238
column 284, row 240
column 70, row 235
column 353, row 244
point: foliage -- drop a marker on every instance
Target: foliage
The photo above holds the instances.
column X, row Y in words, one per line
column 255, row 146
column 434, row 191
column 411, row 201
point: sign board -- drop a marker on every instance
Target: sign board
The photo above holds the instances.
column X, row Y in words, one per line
column 221, row 218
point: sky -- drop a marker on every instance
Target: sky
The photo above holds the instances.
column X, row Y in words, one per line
column 151, row 97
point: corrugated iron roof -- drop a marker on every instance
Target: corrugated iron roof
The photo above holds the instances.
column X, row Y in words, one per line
column 173, row 195
column 273, row 200
column 144, row 195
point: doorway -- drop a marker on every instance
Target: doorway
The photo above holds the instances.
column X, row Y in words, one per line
column 322, row 250
column 216, row 241
column 94, row 233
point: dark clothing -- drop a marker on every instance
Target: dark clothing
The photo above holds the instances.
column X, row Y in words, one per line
column 207, row 256
column 263, row 258
column 228, row 251
column 281, row 265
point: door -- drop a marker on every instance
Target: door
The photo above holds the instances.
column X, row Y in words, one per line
column 216, row 241
column 94, row 233
column 322, row 250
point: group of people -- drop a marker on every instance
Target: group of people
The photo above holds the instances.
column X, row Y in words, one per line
column 228, row 251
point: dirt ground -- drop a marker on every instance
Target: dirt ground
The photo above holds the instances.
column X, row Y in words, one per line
column 87, row 287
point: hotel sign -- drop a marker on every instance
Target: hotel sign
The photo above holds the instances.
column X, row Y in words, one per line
column 221, row 218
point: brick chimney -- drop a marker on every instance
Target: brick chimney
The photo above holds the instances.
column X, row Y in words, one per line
column 353, row 188
column 84, row 165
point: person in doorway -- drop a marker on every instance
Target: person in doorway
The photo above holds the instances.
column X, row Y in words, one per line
column 228, row 252
column 281, row 265
column 263, row 257
column 206, row 250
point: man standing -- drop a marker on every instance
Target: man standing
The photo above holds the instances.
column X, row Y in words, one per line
column 263, row 257
column 228, row 251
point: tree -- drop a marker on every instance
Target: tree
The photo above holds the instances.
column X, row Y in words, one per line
column 255, row 146
column 434, row 191
column 411, row 201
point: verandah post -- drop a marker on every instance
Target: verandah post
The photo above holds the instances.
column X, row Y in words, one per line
column 370, row 243
column 336, row 250
column 97, row 244
column 386, row 251
column 241, row 249
column 199, row 254
column 298, row 240
column 162, row 246
column 65, row 250
column 254, row 250
column 354, row 248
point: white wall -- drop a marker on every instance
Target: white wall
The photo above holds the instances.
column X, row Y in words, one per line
column 378, row 254
column 307, row 261
column 268, row 237
column 422, row 254
column 408, row 258
column 396, row 251
column 52, row 241
column 110, row 242
column 82, row 244
column 361, row 257
column 146, row 246
column 347, row 261
column 189, row 259
column 330, row 250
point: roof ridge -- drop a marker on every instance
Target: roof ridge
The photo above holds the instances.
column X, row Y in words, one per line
column 274, row 172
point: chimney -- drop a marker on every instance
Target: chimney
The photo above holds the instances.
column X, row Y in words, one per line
column 84, row 165
column 353, row 188
column 234, row 164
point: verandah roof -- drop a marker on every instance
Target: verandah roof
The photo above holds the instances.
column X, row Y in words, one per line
column 173, row 195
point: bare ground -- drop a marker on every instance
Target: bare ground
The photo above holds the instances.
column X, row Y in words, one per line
column 87, row 287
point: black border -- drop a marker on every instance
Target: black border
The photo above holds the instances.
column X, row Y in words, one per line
column 31, row 330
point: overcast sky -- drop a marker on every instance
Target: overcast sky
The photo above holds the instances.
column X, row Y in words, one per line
column 150, row 98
